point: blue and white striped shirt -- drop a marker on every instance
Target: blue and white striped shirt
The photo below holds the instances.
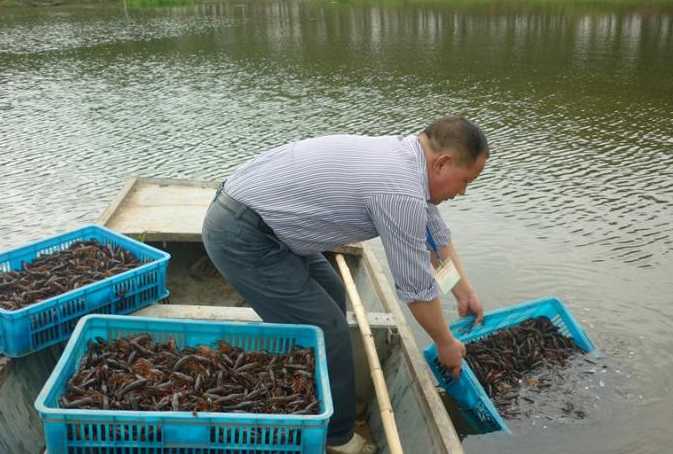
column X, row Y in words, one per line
column 329, row 191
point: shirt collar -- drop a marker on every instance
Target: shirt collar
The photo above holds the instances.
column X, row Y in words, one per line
column 417, row 148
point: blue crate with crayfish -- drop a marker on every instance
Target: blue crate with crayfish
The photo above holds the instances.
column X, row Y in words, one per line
column 112, row 431
column 476, row 408
column 52, row 320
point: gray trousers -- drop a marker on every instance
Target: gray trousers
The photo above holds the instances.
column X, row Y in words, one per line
column 283, row 287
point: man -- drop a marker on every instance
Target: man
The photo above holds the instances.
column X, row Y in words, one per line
column 273, row 217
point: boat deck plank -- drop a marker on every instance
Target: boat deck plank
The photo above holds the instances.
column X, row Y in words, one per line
column 160, row 209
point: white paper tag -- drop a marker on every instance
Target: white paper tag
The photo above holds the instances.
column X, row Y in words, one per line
column 447, row 276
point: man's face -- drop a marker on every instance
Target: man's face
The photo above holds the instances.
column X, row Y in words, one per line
column 448, row 178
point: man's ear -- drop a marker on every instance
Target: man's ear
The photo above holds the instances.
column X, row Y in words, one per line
column 444, row 160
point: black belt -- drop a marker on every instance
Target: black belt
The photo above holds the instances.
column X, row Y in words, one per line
column 243, row 212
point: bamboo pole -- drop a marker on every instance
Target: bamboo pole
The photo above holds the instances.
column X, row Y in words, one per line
column 385, row 408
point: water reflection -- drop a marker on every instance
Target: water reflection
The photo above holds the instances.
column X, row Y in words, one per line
column 464, row 40
column 508, row 35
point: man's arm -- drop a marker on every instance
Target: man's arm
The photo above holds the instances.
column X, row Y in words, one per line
column 450, row 351
column 401, row 222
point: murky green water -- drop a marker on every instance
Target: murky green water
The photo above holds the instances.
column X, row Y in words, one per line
column 576, row 98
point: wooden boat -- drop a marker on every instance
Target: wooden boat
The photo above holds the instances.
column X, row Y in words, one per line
column 168, row 214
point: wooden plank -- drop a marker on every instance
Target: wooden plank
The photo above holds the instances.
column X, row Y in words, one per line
column 114, row 205
column 377, row 320
column 431, row 407
column 157, row 236
column 180, row 182
column 349, row 249
column 154, row 195
column 173, row 223
column 160, row 209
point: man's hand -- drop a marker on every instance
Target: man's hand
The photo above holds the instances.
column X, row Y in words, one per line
column 468, row 301
column 450, row 351
column 450, row 354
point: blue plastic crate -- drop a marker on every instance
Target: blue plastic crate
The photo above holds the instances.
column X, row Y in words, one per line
column 144, row 432
column 52, row 320
column 472, row 400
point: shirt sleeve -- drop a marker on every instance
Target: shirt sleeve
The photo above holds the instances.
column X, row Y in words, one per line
column 440, row 232
column 400, row 222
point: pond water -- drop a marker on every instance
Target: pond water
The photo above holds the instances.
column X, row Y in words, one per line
column 575, row 97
